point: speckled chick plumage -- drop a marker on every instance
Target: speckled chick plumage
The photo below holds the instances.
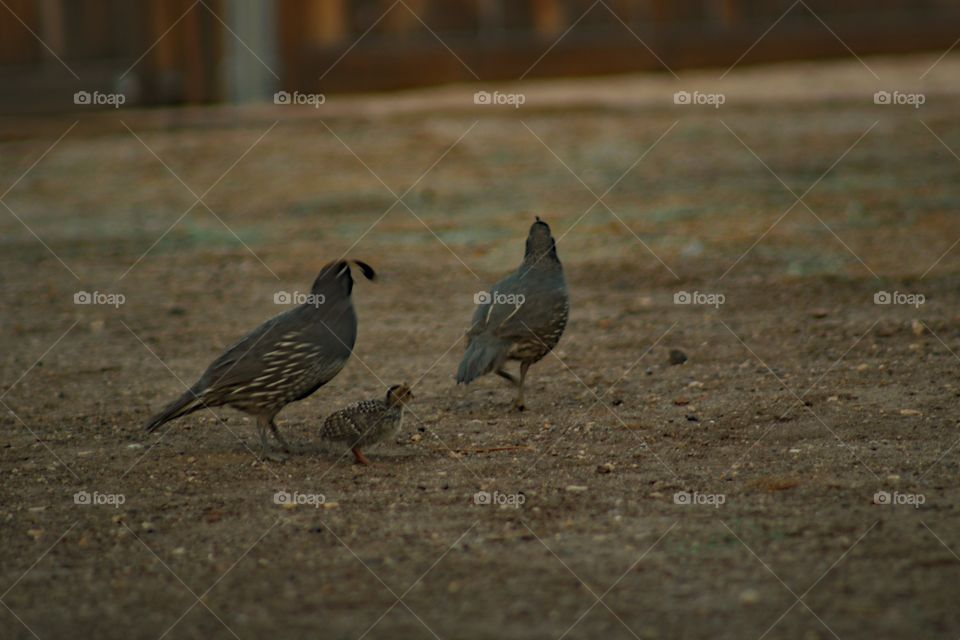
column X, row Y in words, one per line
column 369, row 422
column 522, row 317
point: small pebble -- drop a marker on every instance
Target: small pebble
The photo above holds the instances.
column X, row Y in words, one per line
column 576, row 488
column 605, row 468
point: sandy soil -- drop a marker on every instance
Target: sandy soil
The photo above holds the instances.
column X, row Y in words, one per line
column 800, row 400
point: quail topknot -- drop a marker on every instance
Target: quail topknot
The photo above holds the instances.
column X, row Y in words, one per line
column 366, row 423
column 283, row 360
column 522, row 317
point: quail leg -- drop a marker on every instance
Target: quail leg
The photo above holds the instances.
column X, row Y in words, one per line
column 358, row 455
column 523, row 374
column 266, row 451
column 283, row 443
column 508, row 376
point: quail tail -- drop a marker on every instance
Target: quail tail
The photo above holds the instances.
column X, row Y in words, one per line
column 484, row 354
column 187, row 403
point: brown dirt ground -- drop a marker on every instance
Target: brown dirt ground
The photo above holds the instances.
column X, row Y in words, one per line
column 801, row 398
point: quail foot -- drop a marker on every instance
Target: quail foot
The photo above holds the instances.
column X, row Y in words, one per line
column 364, row 424
column 283, row 360
column 522, row 316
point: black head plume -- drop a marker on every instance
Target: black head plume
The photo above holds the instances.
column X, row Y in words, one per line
column 336, row 277
column 367, row 270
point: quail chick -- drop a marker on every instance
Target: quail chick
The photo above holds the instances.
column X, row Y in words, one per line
column 369, row 422
column 522, row 317
column 283, row 360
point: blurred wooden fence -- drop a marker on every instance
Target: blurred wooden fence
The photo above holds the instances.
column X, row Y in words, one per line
column 183, row 51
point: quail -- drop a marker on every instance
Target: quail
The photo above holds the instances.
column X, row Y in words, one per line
column 367, row 423
column 283, row 360
column 522, row 317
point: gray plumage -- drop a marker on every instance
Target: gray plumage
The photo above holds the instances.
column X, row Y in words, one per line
column 283, row 360
column 524, row 316
column 369, row 422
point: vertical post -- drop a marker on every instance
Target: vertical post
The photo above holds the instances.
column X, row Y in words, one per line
column 254, row 22
column 52, row 30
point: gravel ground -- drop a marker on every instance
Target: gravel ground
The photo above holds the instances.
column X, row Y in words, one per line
column 733, row 495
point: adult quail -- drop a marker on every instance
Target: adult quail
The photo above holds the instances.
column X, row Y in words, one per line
column 369, row 422
column 522, row 317
column 283, row 360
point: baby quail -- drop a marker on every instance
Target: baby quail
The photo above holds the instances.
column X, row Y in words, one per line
column 369, row 422
column 522, row 317
column 283, row 360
